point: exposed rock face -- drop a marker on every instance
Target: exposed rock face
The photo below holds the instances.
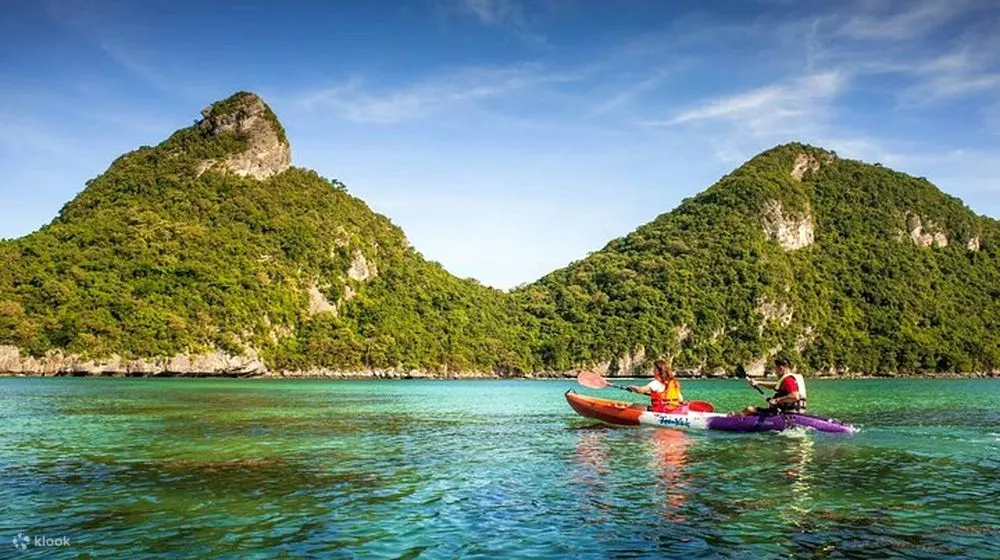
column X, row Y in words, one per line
column 789, row 231
column 803, row 340
column 804, row 163
column 973, row 244
column 925, row 232
column 683, row 333
column 361, row 269
column 757, row 367
column 56, row 363
column 318, row 302
column 249, row 117
column 771, row 310
column 630, row 364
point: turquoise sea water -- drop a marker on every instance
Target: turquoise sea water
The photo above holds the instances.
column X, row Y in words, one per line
column 194, row 468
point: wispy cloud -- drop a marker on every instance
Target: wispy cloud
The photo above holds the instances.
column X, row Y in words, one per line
column 121, row 43
column 494, row 12
column 356, row 102
column 627, row 94
column 885, row 19
column 129, row 59
column 955, row 74
column 806, row 95
column 509, row 15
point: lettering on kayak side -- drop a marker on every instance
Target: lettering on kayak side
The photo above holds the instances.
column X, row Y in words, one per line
column 668, row 421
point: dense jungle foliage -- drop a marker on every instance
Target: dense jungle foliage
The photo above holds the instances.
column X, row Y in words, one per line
column 153, row 259
column 706, row 285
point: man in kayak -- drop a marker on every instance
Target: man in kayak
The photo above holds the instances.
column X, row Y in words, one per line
column 789, row 391
column 664, row 390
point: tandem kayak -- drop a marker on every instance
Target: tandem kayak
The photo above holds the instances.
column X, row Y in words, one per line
column 634, row 414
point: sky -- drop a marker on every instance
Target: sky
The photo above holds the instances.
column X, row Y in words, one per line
column 507, row 138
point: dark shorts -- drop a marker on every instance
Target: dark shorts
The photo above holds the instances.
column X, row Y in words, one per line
column 766, row 410
column 772, row 410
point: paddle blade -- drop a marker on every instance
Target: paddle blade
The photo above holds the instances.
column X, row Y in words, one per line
column 700, row 406
column 591, row 380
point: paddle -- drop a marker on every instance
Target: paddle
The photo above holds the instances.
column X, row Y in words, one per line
column 594, row 380
column 742, row 373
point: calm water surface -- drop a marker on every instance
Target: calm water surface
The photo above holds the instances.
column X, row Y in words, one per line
column 154, row 468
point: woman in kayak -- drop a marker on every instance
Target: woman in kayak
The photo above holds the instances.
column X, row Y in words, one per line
column 789, row 391
column 664, row 390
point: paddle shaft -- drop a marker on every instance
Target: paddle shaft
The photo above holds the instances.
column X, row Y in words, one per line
column 595, row 381
column 741, row 372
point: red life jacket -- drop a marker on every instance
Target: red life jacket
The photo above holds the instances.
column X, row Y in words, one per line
column 667, row 400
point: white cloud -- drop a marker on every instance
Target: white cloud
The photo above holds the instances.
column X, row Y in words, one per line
column 956, row 85
column 508, row 15
column 804, row 96
column 354, row 102
column 883, row 20
column 966, row 71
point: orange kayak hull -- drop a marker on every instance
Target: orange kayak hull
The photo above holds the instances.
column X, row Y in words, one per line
column 605, row 410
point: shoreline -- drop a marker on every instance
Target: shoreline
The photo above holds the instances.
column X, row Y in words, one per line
column 219, row 364
column 469, row 376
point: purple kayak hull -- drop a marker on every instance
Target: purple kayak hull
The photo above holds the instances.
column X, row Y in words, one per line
column 777, row 423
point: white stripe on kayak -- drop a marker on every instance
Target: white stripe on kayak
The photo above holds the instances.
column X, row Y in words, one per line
column 691, row 420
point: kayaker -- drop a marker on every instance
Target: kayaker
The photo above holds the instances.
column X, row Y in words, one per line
column 789, row 391
column 664, row 390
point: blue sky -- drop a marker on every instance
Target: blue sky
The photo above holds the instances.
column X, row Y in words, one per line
column 507, row 137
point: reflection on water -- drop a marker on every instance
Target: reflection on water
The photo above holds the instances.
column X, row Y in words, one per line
column 664, row 481
column 669, row 451
column 592, row 466
column 799, row 472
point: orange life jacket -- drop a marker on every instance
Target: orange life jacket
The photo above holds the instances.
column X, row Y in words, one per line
column 669, row 399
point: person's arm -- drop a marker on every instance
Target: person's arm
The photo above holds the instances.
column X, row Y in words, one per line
column 789, row 398
column 791, row 390
column 773, row 385
column 636, row 389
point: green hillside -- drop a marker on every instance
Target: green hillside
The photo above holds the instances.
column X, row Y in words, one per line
column 706, row 283
column 210, row 243
column 152, row 259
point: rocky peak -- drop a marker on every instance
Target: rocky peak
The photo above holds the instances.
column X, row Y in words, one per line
column 246, row 115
